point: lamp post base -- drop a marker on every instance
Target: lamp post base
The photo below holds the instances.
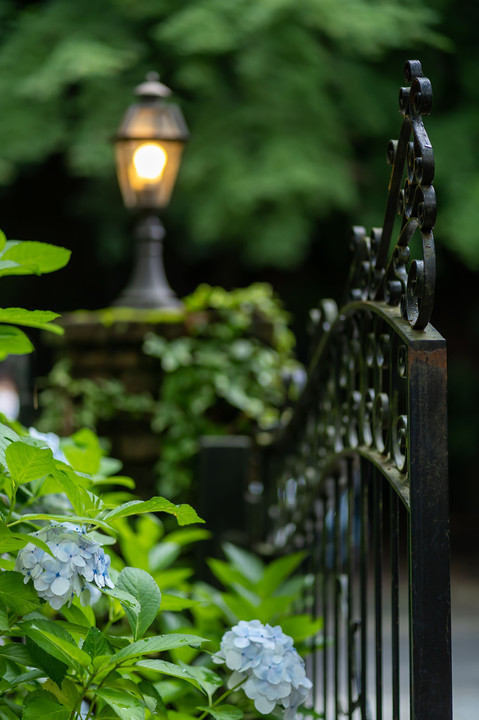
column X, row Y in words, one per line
column 148, row 287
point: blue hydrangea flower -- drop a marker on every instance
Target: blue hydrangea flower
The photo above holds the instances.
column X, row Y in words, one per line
column 77, row 561
column 264, row 658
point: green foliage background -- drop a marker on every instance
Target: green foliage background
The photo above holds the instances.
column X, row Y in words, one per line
column 281, row 96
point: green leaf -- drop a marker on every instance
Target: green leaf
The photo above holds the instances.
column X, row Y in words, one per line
column 27, row 463
column 18, row 596
column 124, row 598
column 41, row 319
column 223, row 712
column 175, row 603
column 55, row 669
column 95, row 643
column 42, row 704
column 301, row 627
column 228, row 575
column 143, row 587
column 159, row 643
column 4, row 623
column 33, row 258
column 17, row 653
column 277, row 571
column 13, row 341
column 56, row 641
column 170, row 669
column 9, row 710
column 83, row 451
column 125, row 705
column 7, row 436
column 208, row 681
column 184, row 514
column 12, row 542
column 81, row 519
column 247, row 564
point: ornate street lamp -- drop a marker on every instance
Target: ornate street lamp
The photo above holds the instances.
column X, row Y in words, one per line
column 148, row 147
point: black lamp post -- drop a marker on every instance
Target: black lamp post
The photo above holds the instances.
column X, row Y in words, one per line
column 148, row 147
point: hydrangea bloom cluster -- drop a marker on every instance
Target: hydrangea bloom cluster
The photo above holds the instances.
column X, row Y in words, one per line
column 77, row 561
column 264, row 658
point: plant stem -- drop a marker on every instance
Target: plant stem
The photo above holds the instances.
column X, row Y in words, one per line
column 221, row 698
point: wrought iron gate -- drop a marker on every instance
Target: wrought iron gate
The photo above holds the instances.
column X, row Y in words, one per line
column 359, row 475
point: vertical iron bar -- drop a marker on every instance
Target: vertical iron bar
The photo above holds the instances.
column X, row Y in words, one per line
column 337, row 591
column 350, row 570
column 429, row 531
column 378, row 604
column 394, row 545
column 324, row 572
column 364, row 589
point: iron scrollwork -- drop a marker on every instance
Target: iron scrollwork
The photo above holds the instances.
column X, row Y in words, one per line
column 402, row 280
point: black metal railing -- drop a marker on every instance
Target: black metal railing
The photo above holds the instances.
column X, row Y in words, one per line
column 359, row 475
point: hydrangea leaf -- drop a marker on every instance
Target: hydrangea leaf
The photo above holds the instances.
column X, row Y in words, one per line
column 170, row 669
column 55, row 669
column 13, row 341
column 123, row 597
column 19, row 597
column 7, row 436
column 33, row 258
column 41, row 319
column 42, row 704
column 125, row 705
column 184, row 514
column 95, row 643
column 223, row 712
column 17, row 653
column 27, row 463
column 57, row 642
column 159, row 643
column 11, row 542
column 143, row 587
column 277, row 572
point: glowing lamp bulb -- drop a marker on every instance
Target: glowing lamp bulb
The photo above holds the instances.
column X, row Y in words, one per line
column 149, row 161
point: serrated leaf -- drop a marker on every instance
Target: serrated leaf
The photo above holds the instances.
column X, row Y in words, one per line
column 33, row 258
column 170, row 669
column 66, row 694
column 27, row 463
column 125, row 705
column 42, row 704
column 4, row 624
column 277, row 572
column 184, row 514
column 41, row 319
column 18, row 596
column 9, row 710
column 95, row 643
column 142, row 586
column 159, row 643
column 301, row 627
column 124, row 597
column 17, row 653
column 55, row 669
column 13, row 341
column 7, row 436
column 80, row 519
column 208, row 680
column 246, row 563
column 174, row 603
column 12, row 542
column 223, row 712
column 56, row 641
